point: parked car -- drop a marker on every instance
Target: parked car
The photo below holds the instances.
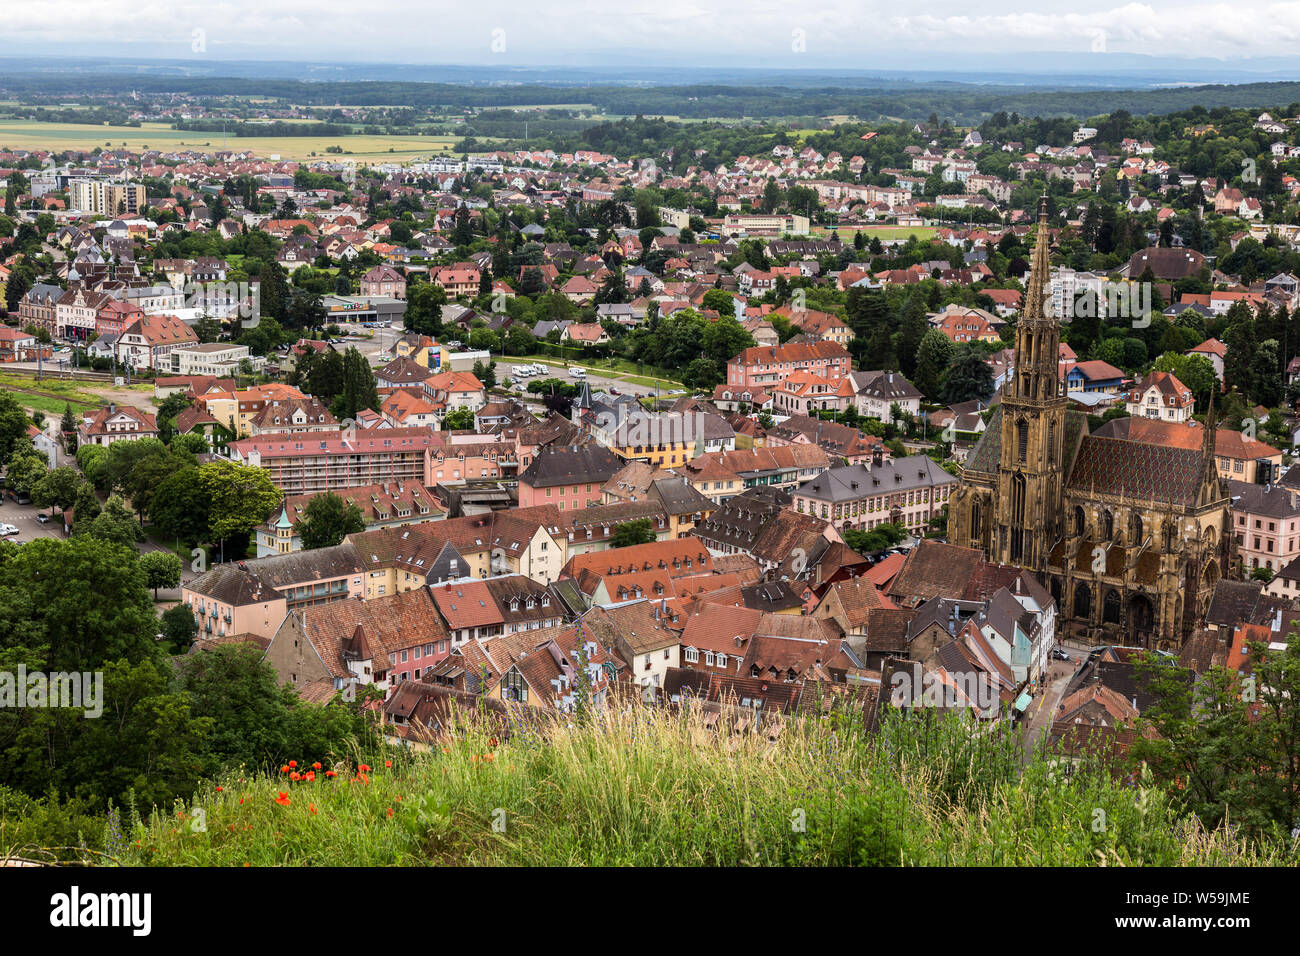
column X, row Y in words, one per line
column 1060, row 655
column 42, row 517
column 7, row 529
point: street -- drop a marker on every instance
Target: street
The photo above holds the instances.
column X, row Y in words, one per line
column 1042, row 712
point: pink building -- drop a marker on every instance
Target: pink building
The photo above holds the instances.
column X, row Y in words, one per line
column 767, row 366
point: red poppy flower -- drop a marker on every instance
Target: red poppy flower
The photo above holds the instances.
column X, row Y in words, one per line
column 316, row 765
column 330, row 773
column 309, row 776
column 282, row 799
column 294, row 775
column 293, row 764
column 364, row 779
column 311, row 808
column 284, row 769
column 218, row 789
column 388, row 763
column 363, row 768
column 390, row 813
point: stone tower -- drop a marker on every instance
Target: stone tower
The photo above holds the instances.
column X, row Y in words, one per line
column 1028, row 518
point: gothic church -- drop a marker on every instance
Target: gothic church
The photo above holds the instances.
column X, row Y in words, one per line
column 1130, row 538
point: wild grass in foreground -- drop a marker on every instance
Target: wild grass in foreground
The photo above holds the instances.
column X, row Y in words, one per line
column 650, row 788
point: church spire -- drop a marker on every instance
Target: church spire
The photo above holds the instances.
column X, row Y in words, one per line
column 1038, row 334
column 1039, row 281
column 1210, row 472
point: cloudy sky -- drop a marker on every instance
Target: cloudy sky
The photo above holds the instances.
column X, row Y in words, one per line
column 763, row 33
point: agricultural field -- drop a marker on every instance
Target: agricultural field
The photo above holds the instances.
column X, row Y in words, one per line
column 30, row 134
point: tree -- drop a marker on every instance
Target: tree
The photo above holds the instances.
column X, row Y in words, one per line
column 240, row 498
column 13, row 425
column 26, row 468
column 255, row 720
column 178, row 627
column 877, row 539
column 968, row 378
column 162, row 569
column 725, row 338
column 639, row 531
column 1240, row 367
column 68, row 428
column 932, row 357
column 179, row 506
column 86, row 504
column 720, row 301
column 424, row 302
column 1230, row 741
column 76, row 603
column 57, row 488
column 360, row 388
column 207, row 329
column 458, row 419
column 114, row 524
column 327, row 520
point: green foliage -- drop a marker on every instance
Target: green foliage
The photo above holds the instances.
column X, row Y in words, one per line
column 639, row 531
column 162, row 569
column 13, row 425
column 178, row 627
column 458, row 419
column 257, row 722
column 924, row 792
column 968, row 377
column 1229, row 743
column 240, row 497
column 327, row 520
column 877, row 539
column 75, row 603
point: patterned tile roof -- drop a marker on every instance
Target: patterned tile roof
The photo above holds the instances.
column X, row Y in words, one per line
column 1112, row 466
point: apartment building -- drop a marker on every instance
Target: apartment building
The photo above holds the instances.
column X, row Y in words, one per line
column 567, row 476
column 302, row 463
column 220, row 359
column 1265, row 524
column 383, row 505
column 761, row 366
column 101, row 198
column 908, row 491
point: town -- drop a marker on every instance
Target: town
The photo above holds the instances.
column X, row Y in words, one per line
column 882, row 421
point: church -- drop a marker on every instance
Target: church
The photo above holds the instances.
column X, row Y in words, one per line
column 1130, row 538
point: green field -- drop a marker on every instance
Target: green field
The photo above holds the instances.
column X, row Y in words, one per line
column 881, row 232
column 32, row 135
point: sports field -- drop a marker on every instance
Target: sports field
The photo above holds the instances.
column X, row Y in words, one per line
column 30, row 134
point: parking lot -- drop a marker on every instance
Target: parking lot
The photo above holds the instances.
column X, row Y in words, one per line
column 23, row 517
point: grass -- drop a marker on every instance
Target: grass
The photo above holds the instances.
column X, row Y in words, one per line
column 922, row 233
column 646, row 787
column 32, row 134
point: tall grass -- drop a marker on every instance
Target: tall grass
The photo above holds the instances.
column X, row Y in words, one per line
column 646, row 787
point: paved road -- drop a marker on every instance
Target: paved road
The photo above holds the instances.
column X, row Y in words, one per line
column 1042, row 712
column 23, row 517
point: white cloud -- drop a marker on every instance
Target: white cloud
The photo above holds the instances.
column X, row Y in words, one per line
column 842, row 32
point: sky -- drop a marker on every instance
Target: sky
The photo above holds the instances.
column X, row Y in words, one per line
column 759, row 33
